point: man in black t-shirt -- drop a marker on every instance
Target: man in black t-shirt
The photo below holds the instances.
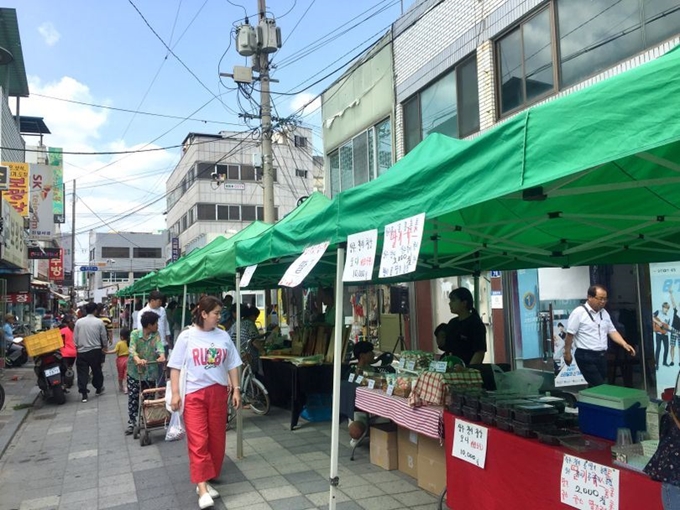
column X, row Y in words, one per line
column 465, row 335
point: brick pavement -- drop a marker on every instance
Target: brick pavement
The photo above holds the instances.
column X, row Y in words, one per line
column 76, row 456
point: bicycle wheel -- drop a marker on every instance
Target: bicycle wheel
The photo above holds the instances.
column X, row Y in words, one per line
column 231, row 414
column 257, row 397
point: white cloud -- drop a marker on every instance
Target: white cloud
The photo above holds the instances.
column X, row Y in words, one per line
column 302, row 99
column 49, row 34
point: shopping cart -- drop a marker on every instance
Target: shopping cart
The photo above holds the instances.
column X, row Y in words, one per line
column 152, row 413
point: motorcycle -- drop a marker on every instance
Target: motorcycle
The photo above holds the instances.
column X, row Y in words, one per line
column 15, row 352
column 50, row 370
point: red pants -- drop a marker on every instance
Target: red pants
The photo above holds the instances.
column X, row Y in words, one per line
column 205, row 420
column 121, row 365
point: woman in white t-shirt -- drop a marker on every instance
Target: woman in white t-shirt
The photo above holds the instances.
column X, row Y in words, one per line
column 212, row 363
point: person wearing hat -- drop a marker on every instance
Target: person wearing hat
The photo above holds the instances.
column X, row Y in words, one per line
column 7, row 327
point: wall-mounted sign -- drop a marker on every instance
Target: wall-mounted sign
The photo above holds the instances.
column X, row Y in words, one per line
column 38, row 253
column 89, row 269
column 234, row 185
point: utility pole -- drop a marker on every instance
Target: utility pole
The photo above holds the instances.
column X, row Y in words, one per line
column 73, row 246
column 266, row 135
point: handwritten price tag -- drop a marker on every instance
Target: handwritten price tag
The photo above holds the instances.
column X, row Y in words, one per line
column 587, row 485
column 440, row 367
column 469, row 443
column 371, row 384
column 390, row 390
column 360, row 379
column 410, row 365
column 351, row 378
column 433, row 366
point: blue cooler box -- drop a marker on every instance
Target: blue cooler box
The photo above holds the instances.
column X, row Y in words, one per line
column 603, row 421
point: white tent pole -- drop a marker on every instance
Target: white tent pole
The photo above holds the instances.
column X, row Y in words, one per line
column 239, row 416
column 184, row 307
column 337, row 362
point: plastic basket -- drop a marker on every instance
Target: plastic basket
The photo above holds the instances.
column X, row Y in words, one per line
column 41, row 343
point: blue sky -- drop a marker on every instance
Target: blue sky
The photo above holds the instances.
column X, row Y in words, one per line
column 103, row 53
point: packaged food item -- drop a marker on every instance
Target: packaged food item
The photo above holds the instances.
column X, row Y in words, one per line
column 417, row 361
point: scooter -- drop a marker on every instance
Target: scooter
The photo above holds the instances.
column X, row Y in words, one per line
column 50, row 370
column 15, row 352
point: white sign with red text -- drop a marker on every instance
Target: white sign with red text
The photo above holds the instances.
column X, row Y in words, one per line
column 303, row 265
column 360, row 256
column 401, row 246
column 469, row 442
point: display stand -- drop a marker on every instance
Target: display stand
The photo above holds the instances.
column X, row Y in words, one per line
column 400, row 339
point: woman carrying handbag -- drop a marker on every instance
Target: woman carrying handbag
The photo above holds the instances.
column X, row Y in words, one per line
column 211, row 362
column 664, row 466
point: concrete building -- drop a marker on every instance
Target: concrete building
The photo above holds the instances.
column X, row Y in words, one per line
column 216, row 188
column 459, row 67
column 121, row 258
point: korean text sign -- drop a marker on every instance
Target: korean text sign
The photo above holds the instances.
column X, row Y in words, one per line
column 469, row 443
column 303, row 265
column 360, row 256
column 401, row 246
column 587, row 485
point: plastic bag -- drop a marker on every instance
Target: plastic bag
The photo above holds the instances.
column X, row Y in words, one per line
column 176, row 429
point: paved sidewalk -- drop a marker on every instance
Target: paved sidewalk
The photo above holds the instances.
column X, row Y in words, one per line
column 76, row 456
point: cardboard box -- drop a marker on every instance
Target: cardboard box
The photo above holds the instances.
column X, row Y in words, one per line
column 384, row 452
column 431, row 465
column 407, row 442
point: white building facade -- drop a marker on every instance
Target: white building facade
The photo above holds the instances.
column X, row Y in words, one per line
column 216, row 188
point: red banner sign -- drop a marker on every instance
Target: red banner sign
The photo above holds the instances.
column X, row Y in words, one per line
column 19, row 297
column 57, row 267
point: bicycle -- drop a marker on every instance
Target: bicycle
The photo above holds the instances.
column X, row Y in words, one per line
column 253, row 392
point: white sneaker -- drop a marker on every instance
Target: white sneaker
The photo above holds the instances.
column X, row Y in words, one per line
column 211, row 490
column 205, row 501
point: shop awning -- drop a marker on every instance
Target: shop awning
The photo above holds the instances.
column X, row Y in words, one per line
column 61, row 296
column 40, row 284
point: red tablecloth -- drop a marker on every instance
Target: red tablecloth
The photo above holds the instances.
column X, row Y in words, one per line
column 424, row 420
column 525, row 474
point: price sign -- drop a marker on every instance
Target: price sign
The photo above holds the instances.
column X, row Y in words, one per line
column 360, row 379
column 401, row 246
column 469, row 443
column 360, row 256
column 303, row 265
column 402, row 363
column 351, row 378
column 433, row 366
column 371, row 384
column 247, row 275
column 440, row 367
column 410, row 365
column 587, row 485
column 390, row 390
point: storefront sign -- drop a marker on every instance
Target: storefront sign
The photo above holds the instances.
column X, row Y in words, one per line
column 527, row 283
column 496, row 299
column 469, row 443
column 56, row 161
column 588, row 486
column 360, row 256
column 303, row 265
column 401, row 246
column 13, row 246
column 18, row 297
column 57, row 267
column 41, row 223
column 17, row 194
column 247, row 275
column 175, row 249
column 38, row 253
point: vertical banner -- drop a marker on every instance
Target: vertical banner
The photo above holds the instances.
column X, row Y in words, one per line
column 56, row 161
column 175, row 249
column 17, row 194
column 360, row 256
column 57, row 267
column 665, row 322
column 41, row 225
column 12, row 235
column 401, row 246
column 527, row 289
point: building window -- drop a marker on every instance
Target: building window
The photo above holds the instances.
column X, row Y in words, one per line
column 204, row 171
column 247, row 173
column 234, row 213
column 114, row 276
column 588, row 37
column 248, row 213
column 260, row 213
column 361, row 159
column 112, row 252
column 184, row 223
column 259, row 174
column 449, row 105
column 300, row 141
column 205, row 212
column 301, row 173
column 222, row 212
column 147, row 253
column 139, row 274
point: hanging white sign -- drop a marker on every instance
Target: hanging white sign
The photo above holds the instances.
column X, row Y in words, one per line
column 303, row 265
column 588, row 486
column 360, row 256
column 401, row 246
column 247, row 275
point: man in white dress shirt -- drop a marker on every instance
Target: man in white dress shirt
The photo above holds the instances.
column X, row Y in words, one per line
column 589, row 327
